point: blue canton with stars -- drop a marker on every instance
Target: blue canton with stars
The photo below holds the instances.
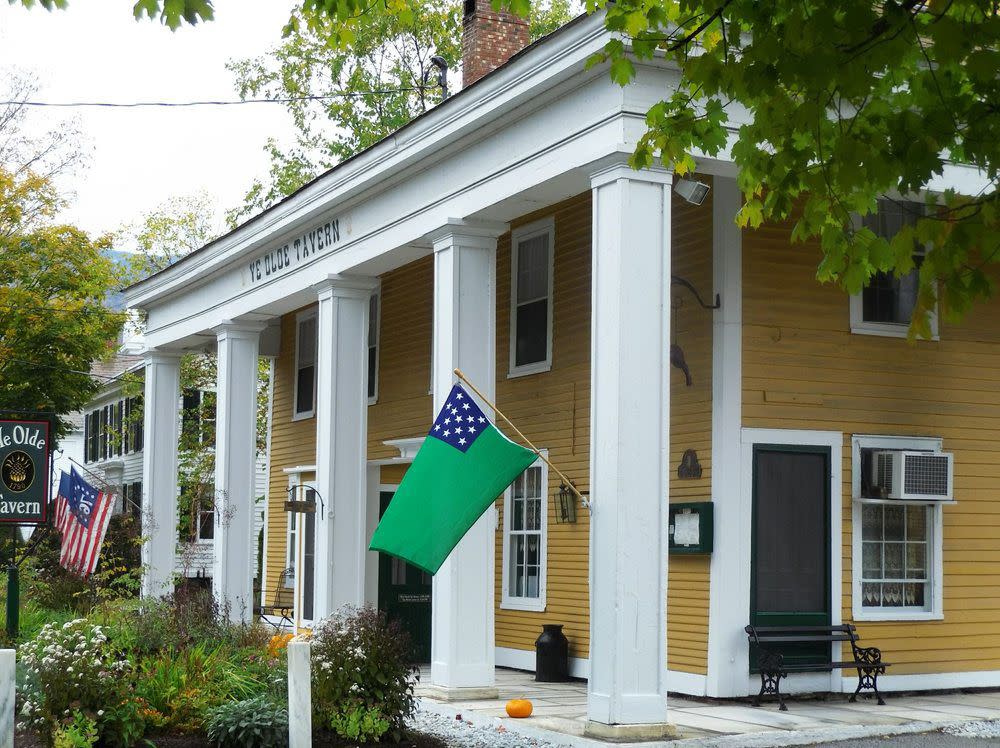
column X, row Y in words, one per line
column 460, row 421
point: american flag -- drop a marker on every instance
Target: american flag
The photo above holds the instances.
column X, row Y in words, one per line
column 82, row 515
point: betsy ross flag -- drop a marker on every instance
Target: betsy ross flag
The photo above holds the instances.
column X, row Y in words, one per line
column 82, row 515
column 463, row 465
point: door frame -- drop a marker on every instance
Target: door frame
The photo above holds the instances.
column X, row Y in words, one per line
column 791, row 438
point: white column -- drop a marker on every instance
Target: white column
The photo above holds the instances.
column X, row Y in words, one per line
column 161, row 416
column 374, row 475
column 342, row 441
column 462, row 639
column 729, row 588
column 299, row 694
column 629, row 452
column 235, row 463
column 7, row 697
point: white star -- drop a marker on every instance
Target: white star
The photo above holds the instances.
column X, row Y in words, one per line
column 472, row 429
column 459, row 396
column 447, row 420
column 454, row 411
column 465, row 406
column 482, row 420
column 447, row 432
column 461, row 441
column 458, row 430
column 437, row 427
column 447, row 406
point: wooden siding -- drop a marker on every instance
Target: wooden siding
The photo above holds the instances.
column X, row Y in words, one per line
column 551, row 408
column 690, row 428
column 804, row 369
column 293, row 443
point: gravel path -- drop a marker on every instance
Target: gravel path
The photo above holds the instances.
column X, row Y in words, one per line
column 984, row 729
column 461, row 734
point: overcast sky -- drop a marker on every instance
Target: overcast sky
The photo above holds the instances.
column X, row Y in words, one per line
column 96, row 51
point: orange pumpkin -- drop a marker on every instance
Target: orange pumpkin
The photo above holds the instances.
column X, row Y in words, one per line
column 519, row 708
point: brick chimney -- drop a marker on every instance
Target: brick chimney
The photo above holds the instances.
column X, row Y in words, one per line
column 489, row 38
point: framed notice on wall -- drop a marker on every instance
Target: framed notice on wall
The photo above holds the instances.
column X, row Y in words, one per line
column 24, row 471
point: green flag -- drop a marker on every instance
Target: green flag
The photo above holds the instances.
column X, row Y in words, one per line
column 463, row 465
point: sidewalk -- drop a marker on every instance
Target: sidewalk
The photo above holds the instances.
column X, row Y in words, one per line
column 559, row 715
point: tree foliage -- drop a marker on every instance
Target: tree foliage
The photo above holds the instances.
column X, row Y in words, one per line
column 162, row 236
column 53, row 284
column 348, row 82
column 844, row 103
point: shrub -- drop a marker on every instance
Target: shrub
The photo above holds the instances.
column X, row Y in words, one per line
column 252, row 723
column 69, row 668
column 362, row 663
column 360, row 724
column 80, row 733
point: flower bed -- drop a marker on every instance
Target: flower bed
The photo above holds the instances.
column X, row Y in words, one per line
column 178, row 673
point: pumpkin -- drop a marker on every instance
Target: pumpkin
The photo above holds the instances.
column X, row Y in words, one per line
column 519, row 708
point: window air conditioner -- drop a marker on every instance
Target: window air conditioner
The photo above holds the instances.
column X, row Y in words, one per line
column 913, row 476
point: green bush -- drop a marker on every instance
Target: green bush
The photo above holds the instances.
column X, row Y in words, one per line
column 68, row 669
column 80, row 733
column 362, row 663
column 252, row 723
column 360, row 724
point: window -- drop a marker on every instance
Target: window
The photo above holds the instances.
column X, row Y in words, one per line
column 198, row 417
column 306, row 342
column 132, row 436
column 885, row 305
column 897, row 545
column 205, row 522
column 373, row 330
column 531, row 298
column 524, row 547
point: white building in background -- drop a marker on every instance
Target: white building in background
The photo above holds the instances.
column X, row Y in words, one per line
column 107, row 449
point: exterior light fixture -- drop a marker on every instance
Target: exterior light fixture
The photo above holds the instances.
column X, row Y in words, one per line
column 566, row 506
column 692, row 191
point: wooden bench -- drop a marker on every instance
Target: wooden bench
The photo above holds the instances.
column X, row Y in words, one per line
column 866, row 660
column 284, row 600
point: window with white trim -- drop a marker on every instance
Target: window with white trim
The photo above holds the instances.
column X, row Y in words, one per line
column 531, row 260
column 373, row 332
column 525, row 526
column 306, row 344
column 897, row 544
column 885, row 306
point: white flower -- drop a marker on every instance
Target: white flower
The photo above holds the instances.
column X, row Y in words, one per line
column 100, row 712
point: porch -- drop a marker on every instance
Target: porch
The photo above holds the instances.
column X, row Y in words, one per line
column 560, row 714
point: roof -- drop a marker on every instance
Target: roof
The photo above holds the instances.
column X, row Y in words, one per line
column 110, row 370
column 447, row 103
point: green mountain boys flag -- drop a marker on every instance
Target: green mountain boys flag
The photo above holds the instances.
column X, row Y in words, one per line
column 463, row 465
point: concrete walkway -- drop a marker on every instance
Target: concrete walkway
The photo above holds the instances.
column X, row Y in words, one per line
column 559, row 715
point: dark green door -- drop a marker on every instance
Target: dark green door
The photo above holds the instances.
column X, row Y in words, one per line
column 404, row 593
column 790, row 566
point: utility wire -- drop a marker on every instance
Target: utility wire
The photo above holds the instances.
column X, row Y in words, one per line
column 61, row 368
column 220, row 102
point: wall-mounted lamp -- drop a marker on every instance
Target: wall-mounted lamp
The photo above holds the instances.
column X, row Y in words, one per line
column 566, row 506
column 692, row 191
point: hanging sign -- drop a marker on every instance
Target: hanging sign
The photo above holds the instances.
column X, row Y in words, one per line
column 24, row 471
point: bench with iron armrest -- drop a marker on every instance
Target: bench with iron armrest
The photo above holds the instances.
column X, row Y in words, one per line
column 866, row 660
column 284, row 600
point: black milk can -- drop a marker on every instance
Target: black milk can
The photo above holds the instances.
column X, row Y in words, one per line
column 552, row 654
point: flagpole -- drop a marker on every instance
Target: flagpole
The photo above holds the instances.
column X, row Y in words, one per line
column 104, row 481
column 532, row 447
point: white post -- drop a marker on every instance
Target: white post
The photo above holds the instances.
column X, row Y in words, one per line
column 7, row 696
column 342, row 441
column 729, row 591
column 235, row 468
column 462, row 634
column 161, row 413
column 629, row 453
column 299, row 695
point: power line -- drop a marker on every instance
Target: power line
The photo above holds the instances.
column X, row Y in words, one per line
column 210, row 102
